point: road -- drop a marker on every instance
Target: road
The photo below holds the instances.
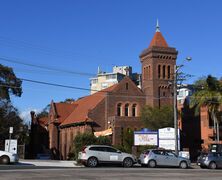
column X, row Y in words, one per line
column 108, row 173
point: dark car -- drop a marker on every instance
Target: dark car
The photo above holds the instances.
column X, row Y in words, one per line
column 210, row 160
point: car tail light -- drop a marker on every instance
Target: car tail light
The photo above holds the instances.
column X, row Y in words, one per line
column 83, row 149
column 146, row 154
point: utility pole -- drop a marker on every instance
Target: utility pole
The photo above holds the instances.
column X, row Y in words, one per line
column 175, row 109
column 175, row 80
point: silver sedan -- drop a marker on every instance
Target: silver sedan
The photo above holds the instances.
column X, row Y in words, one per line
column 156, row 157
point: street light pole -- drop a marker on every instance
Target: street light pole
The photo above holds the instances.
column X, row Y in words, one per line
column 175, row 109
column 176, row 69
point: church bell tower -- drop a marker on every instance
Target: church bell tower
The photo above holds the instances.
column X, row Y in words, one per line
column 158, row 67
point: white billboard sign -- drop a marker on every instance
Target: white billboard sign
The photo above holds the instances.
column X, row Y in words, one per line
column 11, row 145
column 167, row 138
column 167, row 144
column 145, row 139
column 167, row 133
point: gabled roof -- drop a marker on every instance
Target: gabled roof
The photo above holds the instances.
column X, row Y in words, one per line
column 63, row 110
column 158, row 40
column 85, row 104
column 121, row 88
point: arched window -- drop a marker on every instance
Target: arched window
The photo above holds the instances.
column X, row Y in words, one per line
column 159, row 69
column 119, row 111
column 144, row 73
column 168, row 71
column 149, row 72
column 126, row 109
column 134, row 110
column 127, row 86
column 164, row 71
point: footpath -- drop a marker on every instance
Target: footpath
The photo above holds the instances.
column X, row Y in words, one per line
column 48, row 163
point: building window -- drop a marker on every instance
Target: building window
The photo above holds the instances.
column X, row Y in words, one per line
column 164, row 94
column 159, row 69
column 94, row 81
column 119, row 109
column 111, row 76
column 144, row 73
column 149, row 72
column 134, row 110
column 168, row 70
column 127, row 86
column 126, row 109
column 164, row 70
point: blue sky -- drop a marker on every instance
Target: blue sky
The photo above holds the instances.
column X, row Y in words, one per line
column 80, row 35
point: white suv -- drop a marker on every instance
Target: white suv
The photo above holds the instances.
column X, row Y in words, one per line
column 7, row 157
column 93, row 155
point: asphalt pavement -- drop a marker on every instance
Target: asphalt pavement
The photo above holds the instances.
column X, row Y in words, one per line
column 110, row 173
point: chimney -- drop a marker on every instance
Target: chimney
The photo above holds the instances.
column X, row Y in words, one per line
column 33, row 117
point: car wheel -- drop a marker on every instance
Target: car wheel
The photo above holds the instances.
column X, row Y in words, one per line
column 128, row 162
column 183, row 165
column 212, row 165
column 152, row 164
column 5, row 160
column 92, row 162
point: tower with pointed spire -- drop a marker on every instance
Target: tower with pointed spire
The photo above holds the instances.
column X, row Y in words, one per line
column 158, row 63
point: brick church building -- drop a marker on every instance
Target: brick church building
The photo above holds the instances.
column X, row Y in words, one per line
column 118, row 106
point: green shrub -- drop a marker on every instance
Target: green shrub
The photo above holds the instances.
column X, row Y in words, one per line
column 120, row 147
column 140, row 149
column 103, row 140
column 85, row 139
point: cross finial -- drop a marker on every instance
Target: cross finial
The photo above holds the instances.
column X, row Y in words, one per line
column 157, row 26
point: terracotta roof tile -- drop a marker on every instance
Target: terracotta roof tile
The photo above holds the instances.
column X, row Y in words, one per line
column 158, row 40
column 63, row 110
column 85, row 104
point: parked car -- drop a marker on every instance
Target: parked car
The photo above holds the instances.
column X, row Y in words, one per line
column 94, row 155
column 210, row 160
column 155, row 157
column 7, row 157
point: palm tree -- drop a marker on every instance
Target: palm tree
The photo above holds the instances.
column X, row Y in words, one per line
column 209, row 93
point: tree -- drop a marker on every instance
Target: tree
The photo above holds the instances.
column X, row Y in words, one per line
column 9, row 117
column 44, row 112
column 68, row 100
column 128, row 139
column 9, row 83
column 155, row 118
column 209, row 94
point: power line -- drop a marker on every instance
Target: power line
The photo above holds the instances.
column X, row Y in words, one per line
column 47, row 50
column 87, row 89
column 54, row 84
column 24, row 44
column 45, row 67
